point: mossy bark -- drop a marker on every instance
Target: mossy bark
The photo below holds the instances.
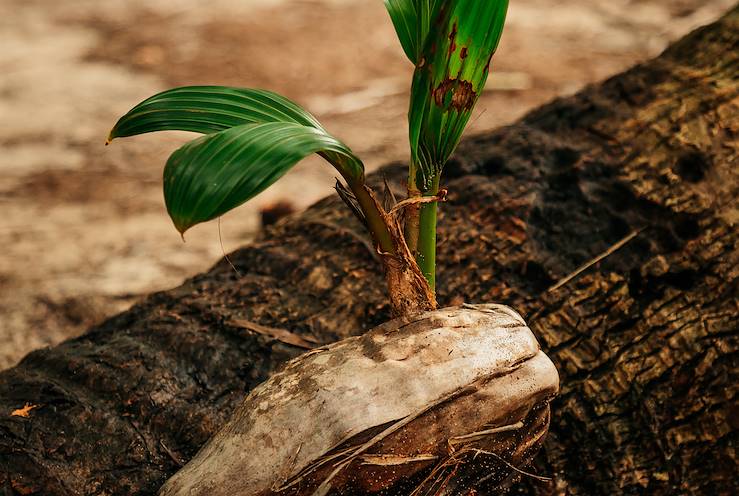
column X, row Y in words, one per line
column 645, row 341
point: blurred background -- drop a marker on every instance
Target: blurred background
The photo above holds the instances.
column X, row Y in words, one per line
column 83, row 231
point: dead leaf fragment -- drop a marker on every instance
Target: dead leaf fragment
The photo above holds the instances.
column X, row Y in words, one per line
column 282, row 335
column 25, row 411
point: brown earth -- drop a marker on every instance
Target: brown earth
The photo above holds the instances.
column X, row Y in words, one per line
column 84, row 232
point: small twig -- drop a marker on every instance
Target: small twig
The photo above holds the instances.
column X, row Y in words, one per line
column 477, row 435
column 595, row 260
column 223, row 250
column 171, row 455
column 478, row 116
column 391, row 460
column 448, row 478
column 439, row 466
column 439, row 197
column 497, row 456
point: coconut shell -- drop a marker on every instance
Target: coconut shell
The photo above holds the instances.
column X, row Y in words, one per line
column 451, row 399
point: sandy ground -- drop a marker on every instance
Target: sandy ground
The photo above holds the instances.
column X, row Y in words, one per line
column 83, row 229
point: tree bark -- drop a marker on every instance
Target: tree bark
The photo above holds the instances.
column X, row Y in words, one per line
column 645, row 339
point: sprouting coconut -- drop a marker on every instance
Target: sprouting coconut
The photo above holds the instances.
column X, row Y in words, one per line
column 445, row 401
column 422, row 404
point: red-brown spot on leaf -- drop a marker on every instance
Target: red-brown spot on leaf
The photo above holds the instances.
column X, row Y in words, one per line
column 453, row 34
column 453, row 39
column 463, row 53
column 463, row 95
column 440, row 91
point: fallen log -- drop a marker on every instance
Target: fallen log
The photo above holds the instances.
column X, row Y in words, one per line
column 608, row 219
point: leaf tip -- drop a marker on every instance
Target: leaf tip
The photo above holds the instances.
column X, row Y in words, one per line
column 181, row 230
column 181, row 227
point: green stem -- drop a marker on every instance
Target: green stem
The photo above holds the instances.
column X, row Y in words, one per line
column 426, row 256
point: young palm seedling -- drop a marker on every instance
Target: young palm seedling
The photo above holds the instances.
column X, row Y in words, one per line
column 252, row 137
column 441, row 391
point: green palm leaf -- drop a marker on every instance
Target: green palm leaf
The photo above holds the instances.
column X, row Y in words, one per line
column 218, row 172
column 209, row 109
column 412, row 20
column 253, row 138
column 449, row 78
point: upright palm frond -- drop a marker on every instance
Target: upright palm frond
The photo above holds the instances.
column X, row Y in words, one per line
column 449, row 77
column 412, row 20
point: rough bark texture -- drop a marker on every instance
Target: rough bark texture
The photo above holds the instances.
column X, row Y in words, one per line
column 645, row 341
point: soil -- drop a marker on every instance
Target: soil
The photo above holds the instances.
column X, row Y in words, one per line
column 84, row 231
